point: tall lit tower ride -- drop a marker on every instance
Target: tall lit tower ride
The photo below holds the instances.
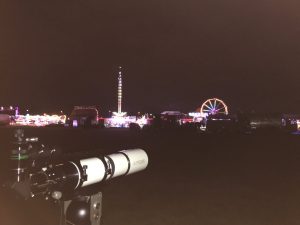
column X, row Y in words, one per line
column 119, row 112
column 120, row 90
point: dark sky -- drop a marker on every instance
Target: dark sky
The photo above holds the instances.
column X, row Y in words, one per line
column 175, row 54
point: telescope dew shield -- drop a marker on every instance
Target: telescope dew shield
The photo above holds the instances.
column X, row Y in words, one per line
column 127, row 162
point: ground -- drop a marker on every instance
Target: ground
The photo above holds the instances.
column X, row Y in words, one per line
column 191, row 179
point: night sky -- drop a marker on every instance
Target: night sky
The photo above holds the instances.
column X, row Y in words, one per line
column 175, row 54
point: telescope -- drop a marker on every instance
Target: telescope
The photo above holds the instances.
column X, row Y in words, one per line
column 37, row 171
column 70, row 176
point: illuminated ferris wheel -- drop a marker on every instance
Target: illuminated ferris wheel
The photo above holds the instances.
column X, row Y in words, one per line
column 214, row 106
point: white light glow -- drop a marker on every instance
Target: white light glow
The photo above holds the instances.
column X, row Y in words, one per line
column 125, row 121
column 39, row 120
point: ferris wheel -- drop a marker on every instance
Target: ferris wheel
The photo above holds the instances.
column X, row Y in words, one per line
column 214, row 106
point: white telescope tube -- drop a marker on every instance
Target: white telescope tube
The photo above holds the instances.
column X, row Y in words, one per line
column 95, row 170
column 117, row 164
column 72, row 175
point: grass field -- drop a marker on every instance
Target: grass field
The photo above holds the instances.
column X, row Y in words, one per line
column 192, row 178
